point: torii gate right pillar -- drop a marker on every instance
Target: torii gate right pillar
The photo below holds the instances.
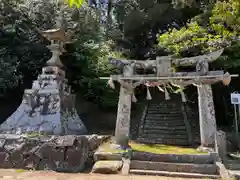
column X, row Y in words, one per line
column 207, row 118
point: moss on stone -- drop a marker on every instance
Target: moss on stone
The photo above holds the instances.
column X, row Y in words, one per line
column 164, row 149
column 34, row 134
column 109, row 147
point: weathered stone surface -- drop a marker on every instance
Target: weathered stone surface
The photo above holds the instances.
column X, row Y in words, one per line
column 58, row 122
column 221, row 144
column 207, row 118
column 107, row 167
column 58, row 153
column 124, row 108
column 95, row 141
column 223, row 171
column 99, row 156
column 205, row 149
column 126, row 166
column 109, row 151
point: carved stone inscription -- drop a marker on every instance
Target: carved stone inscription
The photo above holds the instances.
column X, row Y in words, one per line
column 124, row 107
column 123, row 115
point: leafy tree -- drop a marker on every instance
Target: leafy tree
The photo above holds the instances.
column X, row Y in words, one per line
column 214, row 29
column 138, row 40
column 20, row 45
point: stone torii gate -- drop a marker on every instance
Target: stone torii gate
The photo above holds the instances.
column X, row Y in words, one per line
column 202, row 78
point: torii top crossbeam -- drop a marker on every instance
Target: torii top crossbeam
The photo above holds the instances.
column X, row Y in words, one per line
column 191, row 61
column 165, row 75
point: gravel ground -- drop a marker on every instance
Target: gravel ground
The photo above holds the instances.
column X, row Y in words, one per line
column 45, row 175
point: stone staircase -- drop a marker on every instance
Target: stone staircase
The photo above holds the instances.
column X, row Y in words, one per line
column 184, row 166
column 169, row 122
column 233, row 165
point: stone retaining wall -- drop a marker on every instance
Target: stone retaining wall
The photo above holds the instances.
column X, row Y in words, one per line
column 58, row 153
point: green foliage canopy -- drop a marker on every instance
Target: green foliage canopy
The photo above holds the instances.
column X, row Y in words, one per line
column 218, row 27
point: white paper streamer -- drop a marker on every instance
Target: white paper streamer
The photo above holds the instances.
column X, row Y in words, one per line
column 111, row 83
column 160, row 89
column 167, row 96
column 184, row 99
column 149, row 97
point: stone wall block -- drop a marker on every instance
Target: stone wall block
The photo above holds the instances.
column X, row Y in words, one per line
column 4, row 162
column 31, row 162
column 58, row 153
column 75, row 155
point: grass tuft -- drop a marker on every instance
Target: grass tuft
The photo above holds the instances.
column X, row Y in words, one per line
column 20, row 170
column 151, row 148
column 164, row 149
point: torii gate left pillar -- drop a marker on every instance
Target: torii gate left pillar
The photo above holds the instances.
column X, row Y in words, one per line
column 124, row 108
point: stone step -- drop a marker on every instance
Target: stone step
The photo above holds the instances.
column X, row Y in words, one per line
column 194, row 124
column 192, row 113
column 179, row 142
column 164, row 125
column 159, row 110
column 169, row 106
column 162, row 135
column 165, row 136
column 153, row 131
column 165, row 103
column 164, row 117
column 167, row 112
column 170, row 128
column 174, row 167
column 158, row 117
column 174, row 174
column 233, row 166
column 194, row 120
column 155, row 121
column 161, row 117
column 177, row 158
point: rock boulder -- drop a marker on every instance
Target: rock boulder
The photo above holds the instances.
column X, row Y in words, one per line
column 107, row 167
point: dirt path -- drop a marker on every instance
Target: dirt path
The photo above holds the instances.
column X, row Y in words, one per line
column 44, row 175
